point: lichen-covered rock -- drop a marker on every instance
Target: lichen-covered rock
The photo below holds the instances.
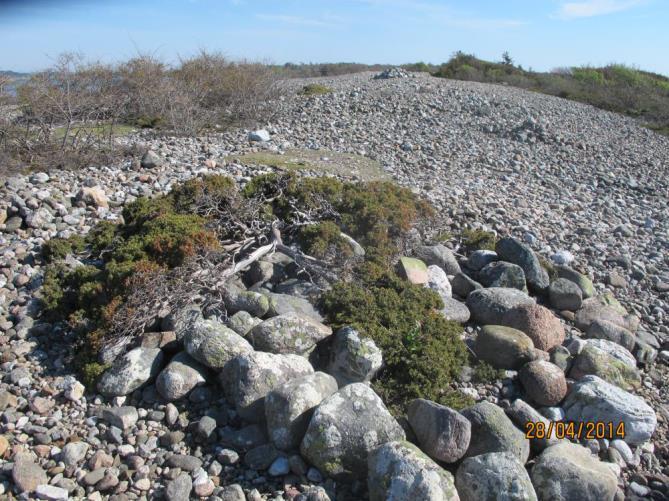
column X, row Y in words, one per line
column 566, row 471
column 181, row 321
column 280, row 304
column 543, row 382
column 438, row 255
column 401, row 472
column 353, row 359
column 288, row 333
column 594, row 309
column 583, row 282
column 242, row 322
column 442, row 433
column 538, row 322
column 603, row 329
column 502, row 274
column 345, row 428
column 131, row 371
column 412, row 269
column 565, row 295
column 180, row 376
column 488, row 306
column 615, row 350
column 249, row 377
column 236, row 299
column 593, row 361
column 594, row 400
column 212, row 344
column 514, row 251
column 496, row 476
column 504, row 347
column 289, row 407
column 493, row 431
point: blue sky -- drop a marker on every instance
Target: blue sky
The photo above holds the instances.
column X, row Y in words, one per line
column 541, row 34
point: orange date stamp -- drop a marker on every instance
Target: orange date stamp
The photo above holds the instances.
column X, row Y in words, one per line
column 588, row 430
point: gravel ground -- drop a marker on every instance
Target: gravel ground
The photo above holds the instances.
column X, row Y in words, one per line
column 566, row 178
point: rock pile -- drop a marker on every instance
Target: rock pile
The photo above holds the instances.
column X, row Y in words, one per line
column 246, row 408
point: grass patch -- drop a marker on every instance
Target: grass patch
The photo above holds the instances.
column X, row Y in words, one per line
column 473, row 240
column 100, row 131
column 315, row 90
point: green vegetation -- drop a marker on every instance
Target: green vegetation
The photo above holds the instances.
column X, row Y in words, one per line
column 616, row 87
column 315, row 90
column 422, row 351
column 484, row 372
column 473, row 240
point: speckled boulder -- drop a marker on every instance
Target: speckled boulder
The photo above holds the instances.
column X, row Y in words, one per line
column 565, row 295
column 592, row 399
column 603, row 329
column 502, row 274
column 496, row 476
column 401, row 472
column 442, row 433
column 131, row 371
column 566, row 471
column 289, row 407
column 345, row 428
column 493, row 431
column 488, row 306
column 236, row 299
column 438, row 255
column 242, row 322
column 249, row 377
column 213, row 344
column 353, row 359
column 288, row 333
column 543, row 382
column 538, row 322
column 180, row 376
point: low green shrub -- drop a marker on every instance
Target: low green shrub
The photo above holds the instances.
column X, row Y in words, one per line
column 315, row 90
column 473, row 240
column 422, row 351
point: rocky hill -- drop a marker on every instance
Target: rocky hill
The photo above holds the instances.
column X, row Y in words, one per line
column 554, row 263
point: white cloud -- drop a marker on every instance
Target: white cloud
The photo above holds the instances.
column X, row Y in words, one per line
column 592, row 8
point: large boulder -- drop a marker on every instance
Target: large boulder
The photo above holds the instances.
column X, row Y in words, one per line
column 438, row 255
column 594, row 400
column 455, row 311
column 288, row 333
column 236, row 299
column 249, row 377
column 289, row 407
column 583, row 282
column 442, row 433
column 502, row 274
column 504, row 347
column 538, row 322
column 213, row 344
column 594, row 309
column 280, row 304
column 462, row 285
column 131, row 371
column 565, row 295
column 345, row 428
column 514, row 251
column 543, row 382
column 615, row 350
column 603, row 329
column 496, row 476
column 493, row 431
column 566, row 471
column 401, row 472
column 488, row 306
column 593, row 361
column 353, row 359
column 151, row 160
column 242, row 322
column 180, row 376
column 480, row 258
column 437, row 280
